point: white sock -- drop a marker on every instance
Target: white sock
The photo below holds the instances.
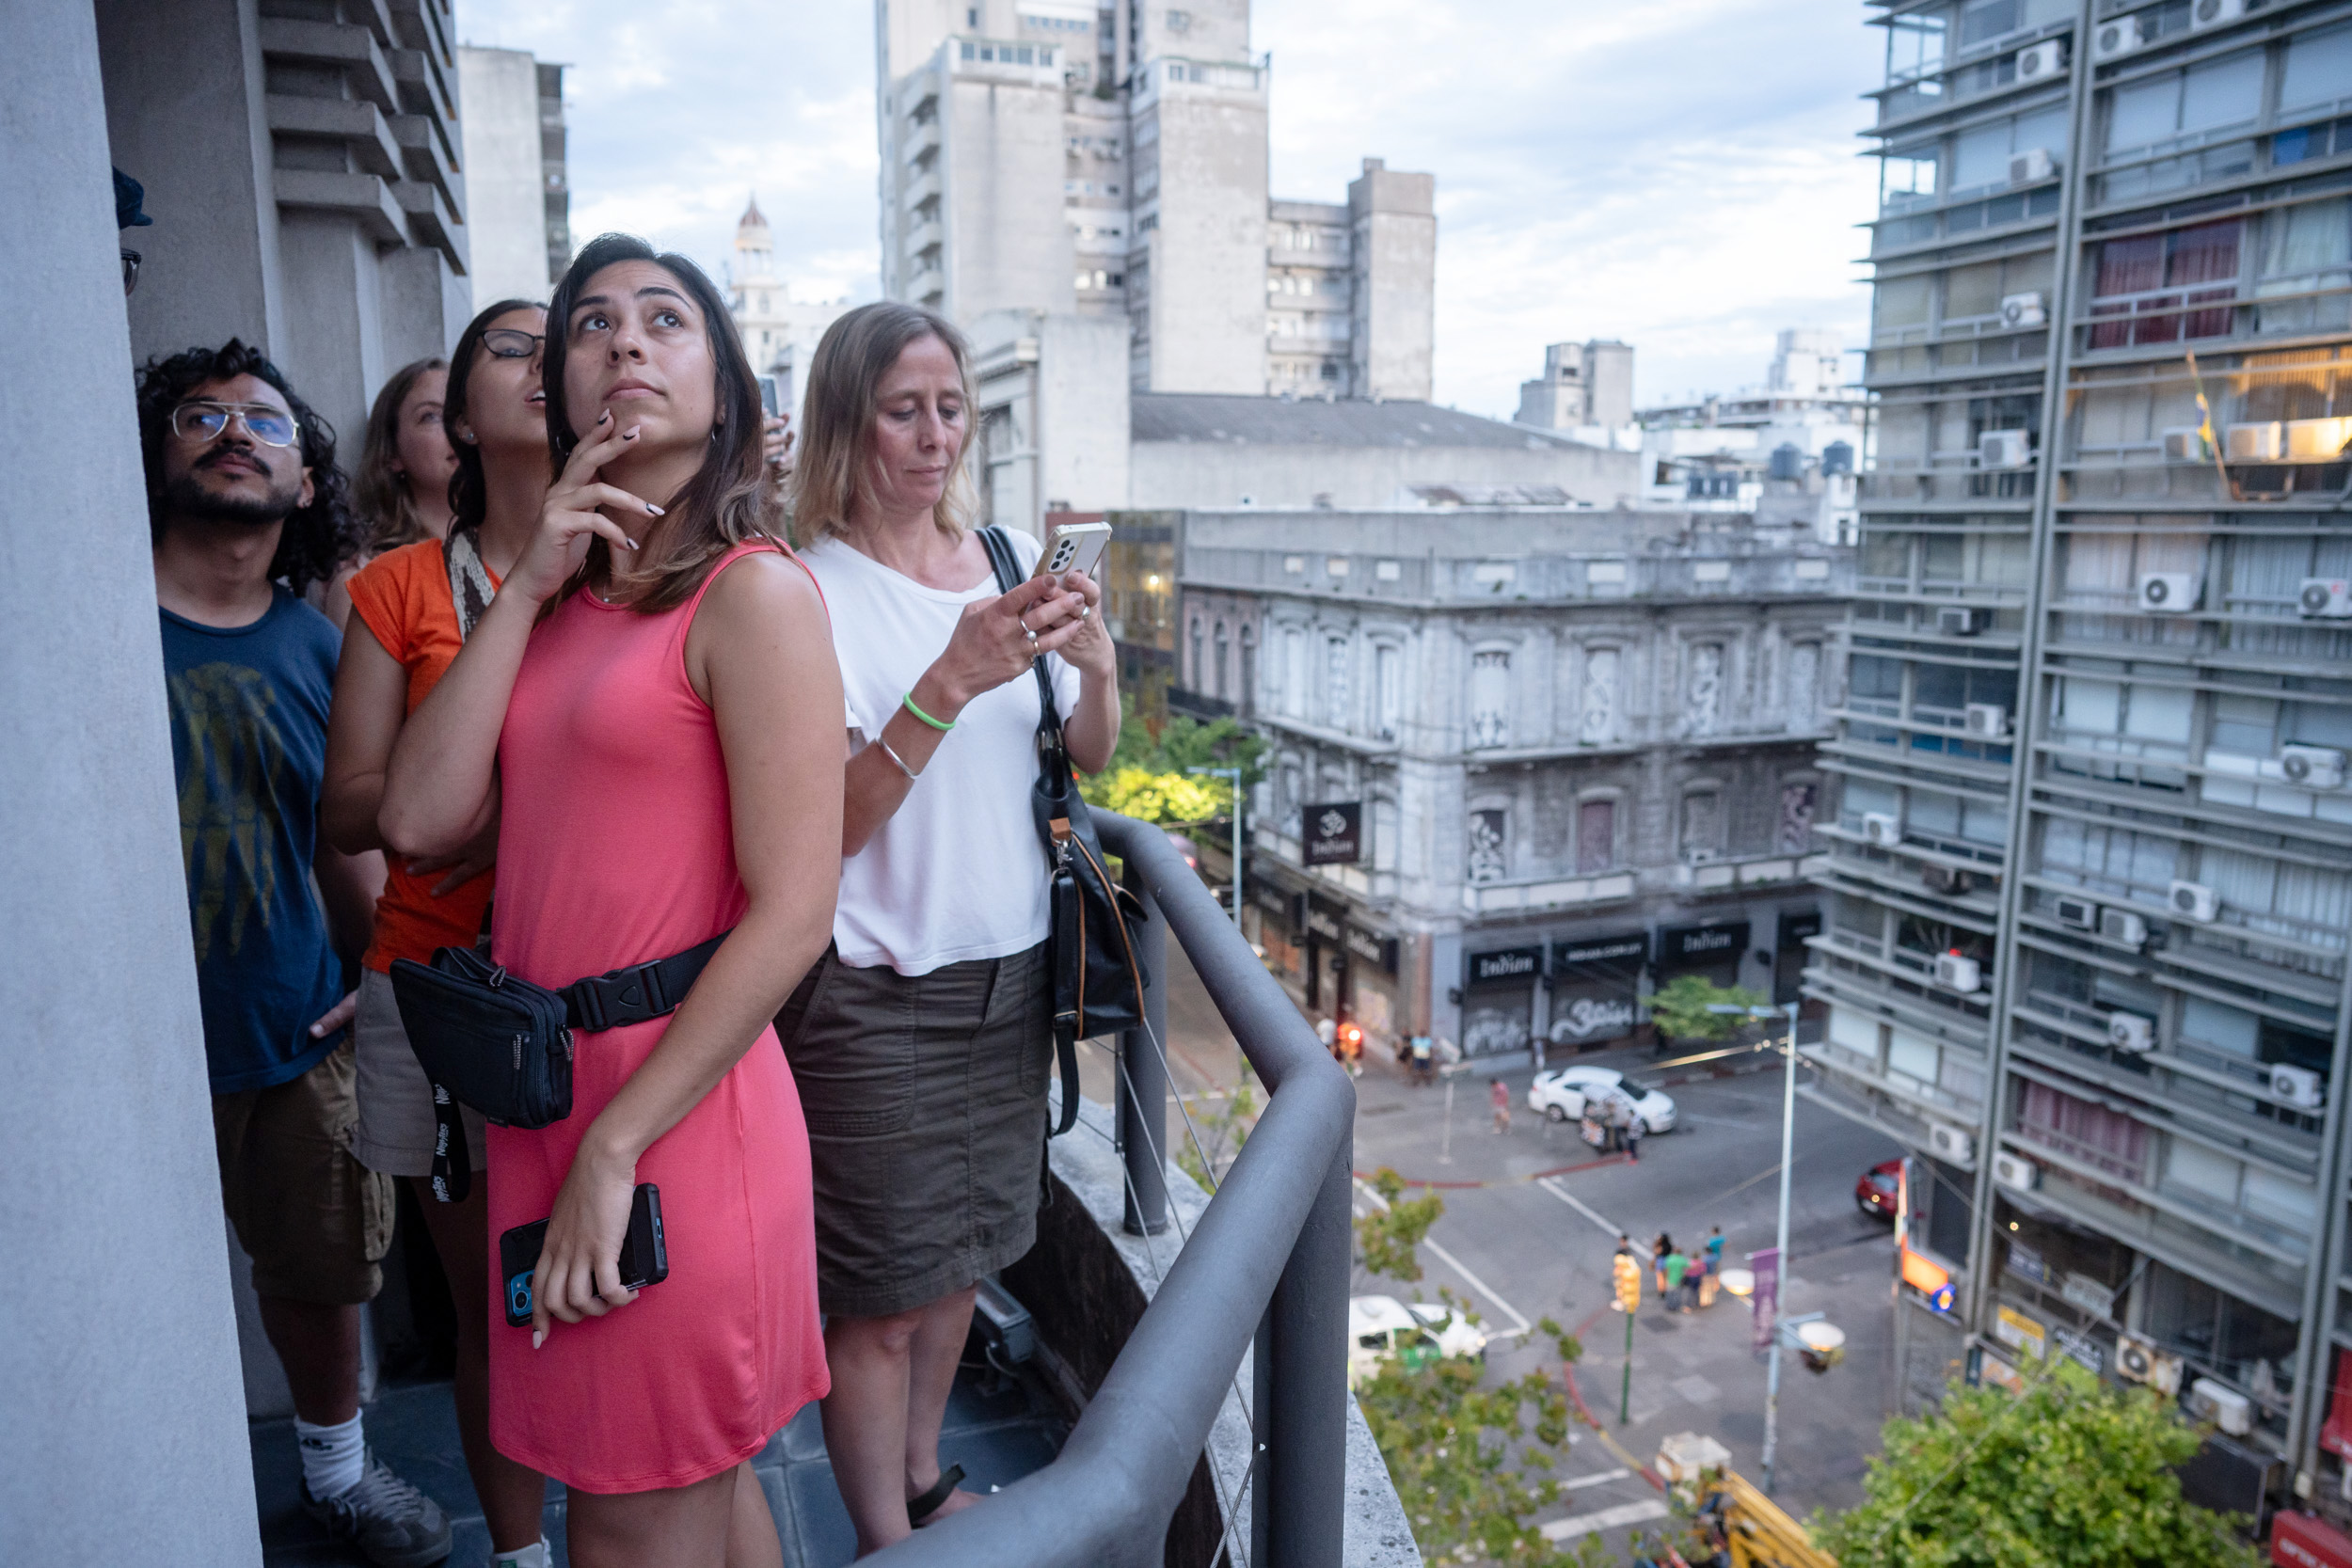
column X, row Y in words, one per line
column 333, row 1457
column 536, row 1556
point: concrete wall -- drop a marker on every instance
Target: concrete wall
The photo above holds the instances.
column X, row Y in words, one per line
column 505, row 198
column 126, row 1428
column 1002, row 157
column 1203, row 474
column 1207, row 144
column 1052, row 393
column 1395, row 256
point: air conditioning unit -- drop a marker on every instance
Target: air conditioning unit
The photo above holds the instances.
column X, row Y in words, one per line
column 2131, row 1032
column 2046, row 61
column 2219, row 1404
column 2025, row 309
column 2113, row 40
column 2214, row 13
column 2317, row 440
column 1883, row 828
column 1962, row 975
column 1947, row 880
column 2187, row 444
column 2170, row 593
column 2140, row 1361
column 2081, row 913
column 1951, row 1143
column 2298, row 1086
column 2262, row 442
column 2312, row 766
column 2005, row 449
column 2325, row 598
column 2033, row 165
column 2125, row 927
column 2194, row 901
column 1986, row 720
column 1958, row 620
column 2016, row 1172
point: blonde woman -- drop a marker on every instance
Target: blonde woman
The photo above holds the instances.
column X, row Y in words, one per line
column 400, row 487
column 920, row 1041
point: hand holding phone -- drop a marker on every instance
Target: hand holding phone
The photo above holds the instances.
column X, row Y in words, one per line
column 1074, row 548
column 645, row 1254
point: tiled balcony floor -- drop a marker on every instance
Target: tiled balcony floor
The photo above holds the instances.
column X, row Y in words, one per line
column 996, row 1437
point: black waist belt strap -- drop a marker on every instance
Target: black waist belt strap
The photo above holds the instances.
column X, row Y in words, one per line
column 637, row 994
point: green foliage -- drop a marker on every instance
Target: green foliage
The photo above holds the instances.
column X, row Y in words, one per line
column 1679, row 1007
column 1168, row 798
column 1473, row 1465
column 1387, row 1240
column 2069, row 1474
column 1182, row 742
column 1222, row 1131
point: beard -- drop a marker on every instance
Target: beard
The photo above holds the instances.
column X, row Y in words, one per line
column 187, row 496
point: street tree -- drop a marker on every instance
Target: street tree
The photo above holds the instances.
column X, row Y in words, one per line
column 2071, row 1473
column 1682, row 1007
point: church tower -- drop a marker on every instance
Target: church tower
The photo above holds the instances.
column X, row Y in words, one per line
column 778, row 333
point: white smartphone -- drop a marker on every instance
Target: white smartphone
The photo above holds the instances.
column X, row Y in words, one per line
column 1074, row 548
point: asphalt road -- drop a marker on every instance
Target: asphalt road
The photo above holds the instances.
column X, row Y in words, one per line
column 1525, row 1238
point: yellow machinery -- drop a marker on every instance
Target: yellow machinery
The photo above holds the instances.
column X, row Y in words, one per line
column 1731, row 1514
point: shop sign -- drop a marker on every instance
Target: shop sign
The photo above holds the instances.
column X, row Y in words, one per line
column 1703, row 944
column 1627, row 952
column 1580, row 1018
column 2305, row 1540
column 1511, row 963
column 2026, row 1263
column 1373, row 948
column 2079, row 1348
column 1796, row 927
column 2020, row 1332
column 1593, row 981
column 1274, row 900
column 1332, row 834
column 2002, row 1375
column 2082, row 1291
column 1322, row 923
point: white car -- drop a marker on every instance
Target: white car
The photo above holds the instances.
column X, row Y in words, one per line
column 1380, row 1328
column 1561, row 1093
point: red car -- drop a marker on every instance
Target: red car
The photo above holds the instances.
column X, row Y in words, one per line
column 1874, row 1194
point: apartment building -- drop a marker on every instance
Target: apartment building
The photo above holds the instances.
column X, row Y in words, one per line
column 1526, row 763
column 519, row 212
column 1057, row 156
column 2090, row 869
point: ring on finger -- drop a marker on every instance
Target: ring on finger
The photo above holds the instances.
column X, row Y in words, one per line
column 1028, row 633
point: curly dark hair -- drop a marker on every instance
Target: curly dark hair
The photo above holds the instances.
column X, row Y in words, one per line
column 318, row 538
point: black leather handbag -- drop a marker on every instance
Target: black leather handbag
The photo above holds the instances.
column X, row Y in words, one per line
column 1097, row 977
column 493, row 1040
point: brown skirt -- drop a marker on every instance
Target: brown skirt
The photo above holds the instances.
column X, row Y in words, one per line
column 925, row 1096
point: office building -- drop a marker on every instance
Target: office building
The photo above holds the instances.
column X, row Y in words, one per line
column 1048, row 155
column 1787, row 448
column 1585, row 386
column 2092, row 869
column 780, row 329
column 518, row 208
column 1525, row 762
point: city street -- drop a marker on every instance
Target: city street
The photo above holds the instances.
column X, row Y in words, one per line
column 1530, row 1226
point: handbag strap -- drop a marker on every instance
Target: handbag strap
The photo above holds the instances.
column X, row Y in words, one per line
column 1050, row 749
column 470, row 594
column 637, row 994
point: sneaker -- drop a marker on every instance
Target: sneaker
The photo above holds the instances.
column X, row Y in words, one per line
column 392, row 1523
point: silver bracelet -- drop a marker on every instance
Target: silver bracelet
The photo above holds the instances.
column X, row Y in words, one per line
column 911, row 774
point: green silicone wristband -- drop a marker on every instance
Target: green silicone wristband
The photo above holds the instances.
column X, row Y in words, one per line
column 907, row 702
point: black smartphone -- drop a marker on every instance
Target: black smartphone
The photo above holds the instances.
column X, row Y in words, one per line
column 645, row 1254
column 768, row 398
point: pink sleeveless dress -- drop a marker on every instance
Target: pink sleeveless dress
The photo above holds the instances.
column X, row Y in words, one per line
column 616, row 847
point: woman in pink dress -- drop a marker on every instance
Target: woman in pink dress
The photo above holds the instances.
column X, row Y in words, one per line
column 654, row 692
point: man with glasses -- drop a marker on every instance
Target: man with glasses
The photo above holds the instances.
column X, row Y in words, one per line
column 246, row 509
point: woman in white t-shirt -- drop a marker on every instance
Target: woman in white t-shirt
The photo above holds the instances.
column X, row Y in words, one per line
column 921, row 1040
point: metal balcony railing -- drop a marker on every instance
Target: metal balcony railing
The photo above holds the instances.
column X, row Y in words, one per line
column 1267, row 1264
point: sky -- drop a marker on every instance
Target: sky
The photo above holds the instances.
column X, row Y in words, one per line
column 1679, row 174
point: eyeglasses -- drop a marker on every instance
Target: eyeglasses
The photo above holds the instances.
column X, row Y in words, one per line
column 507, row 342
column 131, row 260
column 205, row 421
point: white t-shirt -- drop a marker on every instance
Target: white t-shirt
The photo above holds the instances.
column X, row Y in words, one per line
column 957, row 873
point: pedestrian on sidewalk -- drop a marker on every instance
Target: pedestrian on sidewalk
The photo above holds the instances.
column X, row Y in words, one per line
column 1501, row 1095
column 1694, row 1282
column 1715, row 1249
column 1670, row 1272
column 1658, row 1251
column 1633, row 1137
column 1424, row 1059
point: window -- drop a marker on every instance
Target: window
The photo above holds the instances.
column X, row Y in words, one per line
column 2305, row 249
column 1294, row 672
column 1490, row 846
column 1905, row 180
column 1335, row 691
column 1914, row 44
column 1597, row 721
column 1704, row 691
column 1384, row 835
column 1596, row 836
column 1388, row 685
column 2207, row 97
column 2318, row 71
column 1982, row 20
column 2104, row 1139
column 1805, row 685
column 1249, row 668
column 1702, row 825
column 1220, row 690
column 1796, row 818
column 2150, row 276
column 1196, row 653
column 1490, row 699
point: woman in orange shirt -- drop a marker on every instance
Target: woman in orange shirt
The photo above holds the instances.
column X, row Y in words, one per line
column 411, row 610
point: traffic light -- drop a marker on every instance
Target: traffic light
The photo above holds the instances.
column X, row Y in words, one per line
column 1629, row 1275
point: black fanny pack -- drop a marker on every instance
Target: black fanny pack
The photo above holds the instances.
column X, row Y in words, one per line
column 497, row 1043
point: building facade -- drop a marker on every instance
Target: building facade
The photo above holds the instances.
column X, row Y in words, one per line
column 1525, row 762
column 780, row 331
column 1583, row 384
column 518, row 214
column 1055, row 157
column 2091, row 870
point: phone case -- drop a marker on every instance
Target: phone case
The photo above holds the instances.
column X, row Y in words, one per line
column 645, row 1254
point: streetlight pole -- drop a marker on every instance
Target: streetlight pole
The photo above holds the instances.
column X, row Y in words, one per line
column 1234, row 774
column 1788, row 1158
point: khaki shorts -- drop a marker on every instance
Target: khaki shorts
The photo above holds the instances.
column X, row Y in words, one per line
column 395, row 1129
column 314, row 1221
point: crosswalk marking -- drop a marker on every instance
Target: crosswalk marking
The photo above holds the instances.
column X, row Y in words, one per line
column 1608, row 1519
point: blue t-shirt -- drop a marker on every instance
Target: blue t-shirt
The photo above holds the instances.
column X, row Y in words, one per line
column 248, row 750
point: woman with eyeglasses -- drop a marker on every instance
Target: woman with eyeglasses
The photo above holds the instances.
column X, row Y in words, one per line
column 413, row 607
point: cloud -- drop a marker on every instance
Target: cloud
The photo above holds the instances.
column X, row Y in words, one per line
column 1680, row 174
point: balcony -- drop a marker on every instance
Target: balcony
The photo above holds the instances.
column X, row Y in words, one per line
column 1731, row 873
column 1176, row 1333
column 1528, row 896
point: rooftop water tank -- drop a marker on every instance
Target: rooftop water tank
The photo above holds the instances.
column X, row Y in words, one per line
column 1837, row 458
column 1788, row 461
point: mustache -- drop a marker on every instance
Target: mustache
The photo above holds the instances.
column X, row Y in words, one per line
column 223, row 452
